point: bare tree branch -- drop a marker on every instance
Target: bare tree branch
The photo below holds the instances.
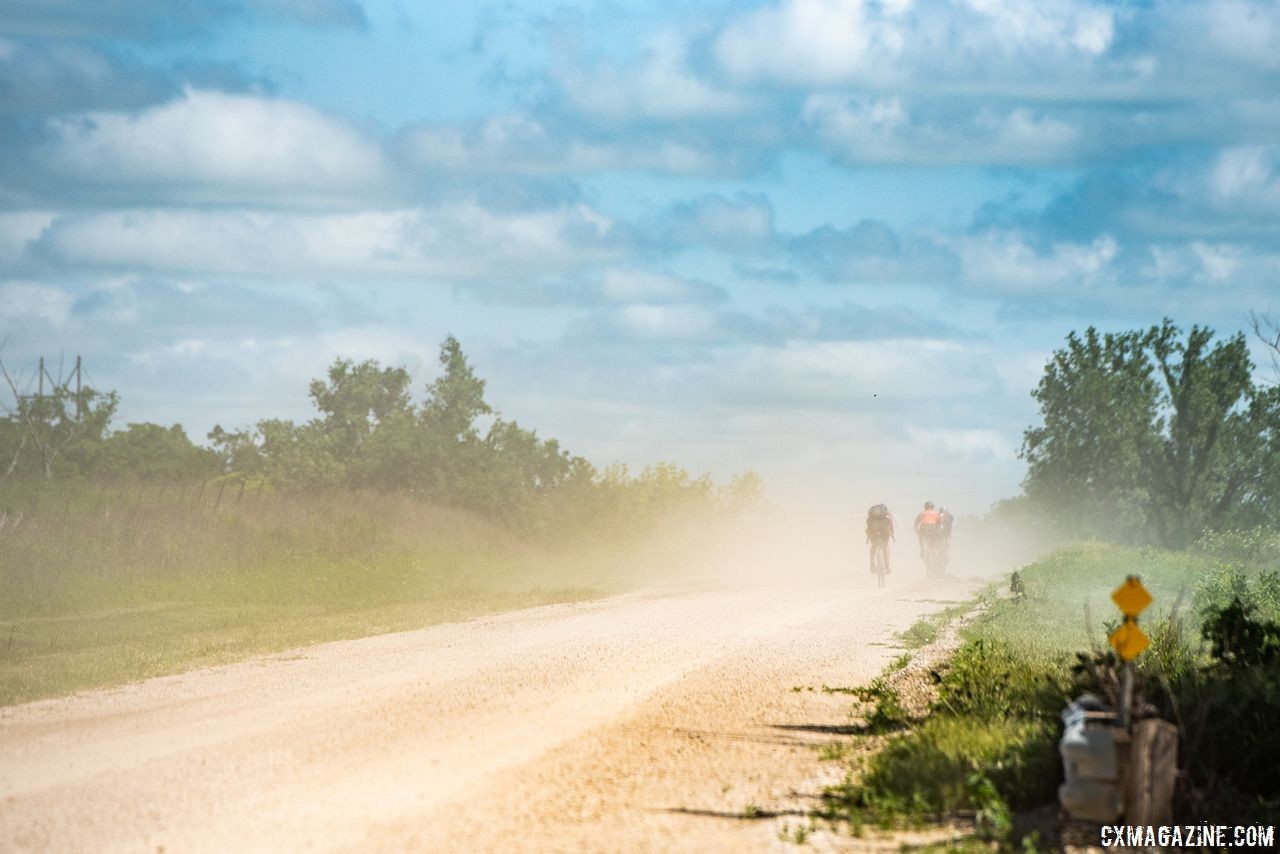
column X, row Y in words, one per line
column 1267, row 328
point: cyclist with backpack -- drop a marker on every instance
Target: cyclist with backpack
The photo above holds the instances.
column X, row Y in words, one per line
column 879, row 533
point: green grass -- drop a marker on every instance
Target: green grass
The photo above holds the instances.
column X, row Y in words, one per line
column 988, row 744
column 924, row 631
column 99, row 588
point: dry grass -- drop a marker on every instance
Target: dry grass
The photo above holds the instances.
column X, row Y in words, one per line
column 101, row 586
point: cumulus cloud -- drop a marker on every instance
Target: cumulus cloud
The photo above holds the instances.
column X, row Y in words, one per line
column 216, row 146
column 868, row 129
column 518, row 143
column 460, row 241
column 832, row 374
column 660, row 86
column 741, row 224
column 1008, row 260
column 17, row 230
column 813, row 41
column 642, row 286
column 824, row 42
column 55, row 76
column 35, row 301
column 871, row 251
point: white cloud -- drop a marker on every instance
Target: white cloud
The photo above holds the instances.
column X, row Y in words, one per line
column 639, row 286
column 516, row 143
column 810, row 41
column 741, row 224
column 962, row 442
column 214, row 145
column 461, row 241
column 823, row 42
column 661, row 86
column 1048, row 24
column 1007, row 260
column 833, row 373
column 1247, row 179
column 668, row 322
column 1218, row 261
column 890, row 130
column 18, row 229
column 1247, row 30
column 33, row 300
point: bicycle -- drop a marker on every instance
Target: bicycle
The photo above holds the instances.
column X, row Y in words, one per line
column 880, row 561
column 935, row 557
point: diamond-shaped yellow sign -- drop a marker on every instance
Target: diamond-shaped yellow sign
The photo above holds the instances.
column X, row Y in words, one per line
column 1131, row 597
column 1129, row 640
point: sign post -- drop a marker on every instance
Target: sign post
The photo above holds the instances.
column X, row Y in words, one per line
column 1129, row 640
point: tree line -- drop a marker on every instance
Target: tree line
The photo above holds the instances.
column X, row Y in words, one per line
column 1154, row 436
column 451, row 446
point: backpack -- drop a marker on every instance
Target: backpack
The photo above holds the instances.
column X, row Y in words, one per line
column 878, row 521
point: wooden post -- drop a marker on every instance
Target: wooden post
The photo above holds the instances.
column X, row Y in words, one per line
column 1126, row 693
column 1151, row 771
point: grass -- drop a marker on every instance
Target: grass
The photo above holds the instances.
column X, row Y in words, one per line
column 100, row 587
column 987, row 748
column 924, row 631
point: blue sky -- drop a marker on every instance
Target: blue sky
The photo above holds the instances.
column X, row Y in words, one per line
column 830, row 240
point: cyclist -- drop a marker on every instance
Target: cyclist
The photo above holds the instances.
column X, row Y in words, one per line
column 928, row 526
column 945, row 522
column 879, row 533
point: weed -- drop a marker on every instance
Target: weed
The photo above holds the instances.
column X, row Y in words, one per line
column 797, row 835
column 887, row 712
column 832, row 751
column 924, row 631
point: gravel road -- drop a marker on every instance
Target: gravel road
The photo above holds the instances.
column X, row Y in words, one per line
column 653, row 721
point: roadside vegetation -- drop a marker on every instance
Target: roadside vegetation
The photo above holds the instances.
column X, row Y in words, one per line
column 1158, row 455
column 986, row 749
column 131, row 553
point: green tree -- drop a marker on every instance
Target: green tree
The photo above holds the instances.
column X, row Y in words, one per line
column 356, row 401
column 456, row 399
column 237, row 450
column 1207, row 451
column 1153, row 435
column 1099, row 401
column 56, row 427
column 153, row 452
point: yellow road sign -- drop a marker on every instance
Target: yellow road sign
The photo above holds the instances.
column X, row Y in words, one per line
column 1129, row 640
column 1131, row 597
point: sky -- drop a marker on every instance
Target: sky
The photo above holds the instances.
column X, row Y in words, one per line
column 833, row 241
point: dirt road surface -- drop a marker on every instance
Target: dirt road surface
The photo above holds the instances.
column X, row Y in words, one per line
column 665, row 720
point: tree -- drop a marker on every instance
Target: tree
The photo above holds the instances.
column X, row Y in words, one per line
column 47, row 426
column 153, row 452
column 1150, row 435
column 1098, row 398
column 356, row 401
column 456, row 399
column 1206, row 452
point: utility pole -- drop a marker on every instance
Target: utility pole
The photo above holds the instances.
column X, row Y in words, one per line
column 40, row 387
column 79, row 399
